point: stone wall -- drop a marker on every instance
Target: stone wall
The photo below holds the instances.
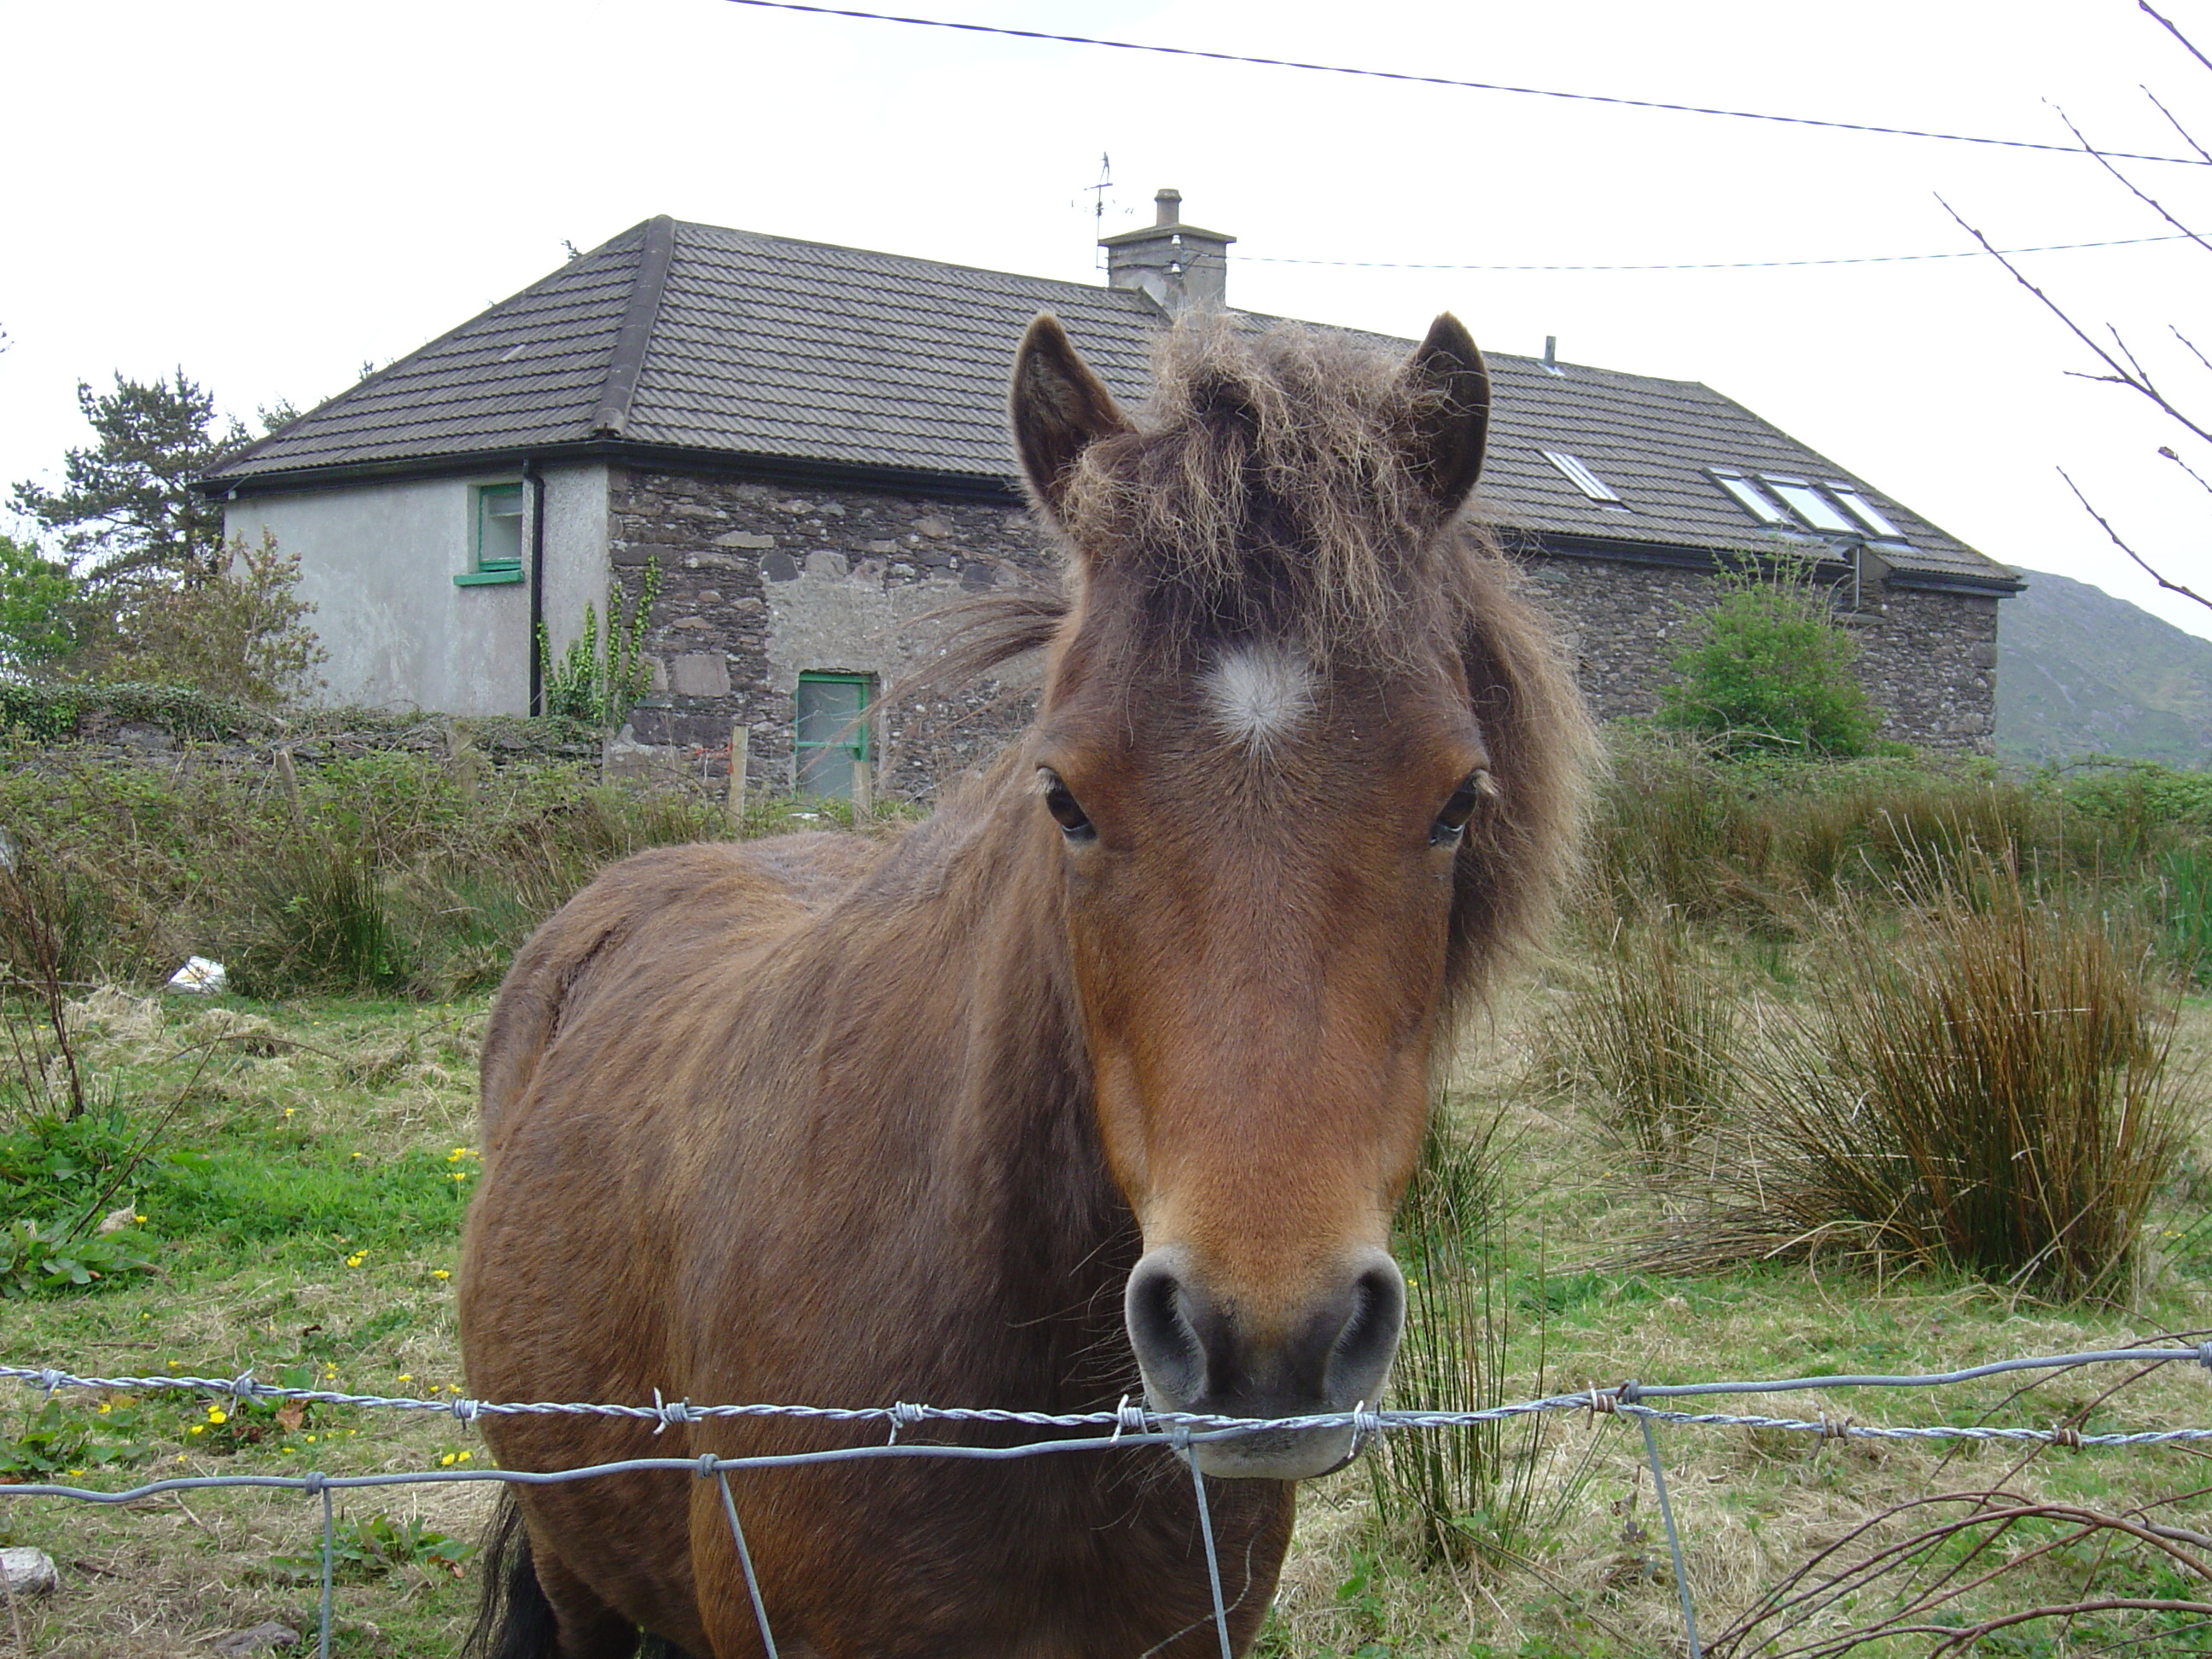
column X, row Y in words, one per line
column 1928, row 660
column 761, row 582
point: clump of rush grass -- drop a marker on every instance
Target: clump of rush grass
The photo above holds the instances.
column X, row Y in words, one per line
column 1443, row 1493
column 318, row 917
column 1980, row 1081
column 1654, row 1035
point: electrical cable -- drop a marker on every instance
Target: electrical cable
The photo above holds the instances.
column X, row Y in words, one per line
column 1470, row 86
column 1734, row 264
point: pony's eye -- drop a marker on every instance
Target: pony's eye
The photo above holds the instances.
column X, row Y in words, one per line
column 1066, row 811
column 1451, row 823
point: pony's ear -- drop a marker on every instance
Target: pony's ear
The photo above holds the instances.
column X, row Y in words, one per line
column 1447, row 447
column 1059, row 409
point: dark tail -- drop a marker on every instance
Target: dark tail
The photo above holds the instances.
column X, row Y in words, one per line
column 514, row 1618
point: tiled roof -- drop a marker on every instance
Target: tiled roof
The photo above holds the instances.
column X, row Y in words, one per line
column 693, row 337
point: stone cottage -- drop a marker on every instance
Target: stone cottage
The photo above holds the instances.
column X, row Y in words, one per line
column 807, row 443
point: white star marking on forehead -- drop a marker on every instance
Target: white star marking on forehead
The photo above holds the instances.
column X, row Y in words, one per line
column 1259, row 693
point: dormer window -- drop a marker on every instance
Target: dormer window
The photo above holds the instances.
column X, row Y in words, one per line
column 1579, row 476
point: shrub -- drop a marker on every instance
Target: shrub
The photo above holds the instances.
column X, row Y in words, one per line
column 1767, row 668
column 38, row 604
column 239, row 631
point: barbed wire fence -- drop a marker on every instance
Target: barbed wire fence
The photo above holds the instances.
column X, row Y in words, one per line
column 1129, row 1425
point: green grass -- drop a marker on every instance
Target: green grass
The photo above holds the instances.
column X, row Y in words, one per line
column 302, row 1218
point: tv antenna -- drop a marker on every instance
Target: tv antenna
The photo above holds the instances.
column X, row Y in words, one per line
column 1097, row 193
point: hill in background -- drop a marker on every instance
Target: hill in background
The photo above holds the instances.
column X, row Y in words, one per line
column 2080, row 672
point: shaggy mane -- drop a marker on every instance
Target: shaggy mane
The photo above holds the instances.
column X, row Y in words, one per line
column 1265, row 488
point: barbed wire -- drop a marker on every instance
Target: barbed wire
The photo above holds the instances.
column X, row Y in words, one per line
column 1132, row 1426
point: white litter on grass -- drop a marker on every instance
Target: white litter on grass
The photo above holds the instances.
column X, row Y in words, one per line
column 199, row 977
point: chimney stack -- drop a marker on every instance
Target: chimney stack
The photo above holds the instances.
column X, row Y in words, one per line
column 1180, row 267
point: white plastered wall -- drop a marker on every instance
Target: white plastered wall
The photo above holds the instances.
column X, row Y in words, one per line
column 377, row 560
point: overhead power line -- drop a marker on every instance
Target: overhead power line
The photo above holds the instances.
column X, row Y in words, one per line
column 1468, row 86
column 1719, row 264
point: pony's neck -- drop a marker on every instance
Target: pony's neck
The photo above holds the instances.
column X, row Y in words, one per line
column 1018, row 1156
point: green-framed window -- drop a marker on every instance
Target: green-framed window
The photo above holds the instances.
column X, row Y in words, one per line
column 496, row 537
column 830, row 732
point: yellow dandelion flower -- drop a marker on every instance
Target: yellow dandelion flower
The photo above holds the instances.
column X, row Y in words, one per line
column 217, row 1415
column 406, row 1377
column 198, row 1428
column 446, row 1461
column 440, row 1272
column 463, row 1458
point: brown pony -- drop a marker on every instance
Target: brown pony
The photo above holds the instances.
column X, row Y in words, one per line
column 1102, row 1082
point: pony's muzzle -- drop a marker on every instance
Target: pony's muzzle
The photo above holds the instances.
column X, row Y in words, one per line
column 1331, row 1356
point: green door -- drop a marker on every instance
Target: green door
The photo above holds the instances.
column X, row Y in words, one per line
column 832, row 732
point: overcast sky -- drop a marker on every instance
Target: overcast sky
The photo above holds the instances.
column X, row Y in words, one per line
column 270, row 194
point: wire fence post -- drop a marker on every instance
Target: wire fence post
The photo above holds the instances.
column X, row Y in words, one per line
column 1627, row 1397
column 330, row 1530
column 710, row 1463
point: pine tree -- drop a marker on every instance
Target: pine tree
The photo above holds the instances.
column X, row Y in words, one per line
column 126, row 511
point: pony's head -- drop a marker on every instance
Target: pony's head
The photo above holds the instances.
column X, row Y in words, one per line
column 1305, row 766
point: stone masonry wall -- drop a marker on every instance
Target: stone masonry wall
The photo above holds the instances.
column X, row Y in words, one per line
column 761, row 582
column 1928, row 660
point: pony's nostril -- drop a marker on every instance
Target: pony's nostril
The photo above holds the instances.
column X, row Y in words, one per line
column 1359, row 1359
column 1168, row 1348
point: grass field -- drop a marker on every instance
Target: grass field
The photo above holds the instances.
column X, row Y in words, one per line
column 1693, row 1143
column 301, row 1200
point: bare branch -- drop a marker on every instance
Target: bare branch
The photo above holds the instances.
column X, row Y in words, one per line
column 1964, row 1636
column 2171, row 588
column 2191, row 344
column 2134, row 381
column 2203, row 482
column 2130, row 185
column 2174, row 121
column 2140, row 376
column 2167, row 23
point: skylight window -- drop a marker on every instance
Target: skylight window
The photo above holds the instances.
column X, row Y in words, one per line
column 1808, row 504
column 1579, row 474
column 1785, row 503
column 1751, row 498
column 1865, row 512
